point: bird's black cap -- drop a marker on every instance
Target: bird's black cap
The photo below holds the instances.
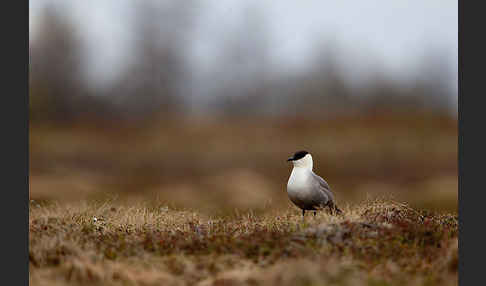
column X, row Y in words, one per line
column 298, row 155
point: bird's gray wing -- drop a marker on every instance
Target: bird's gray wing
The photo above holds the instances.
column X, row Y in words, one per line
column 323, row 186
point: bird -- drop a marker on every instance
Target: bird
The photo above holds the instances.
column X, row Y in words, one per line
column 306, row 189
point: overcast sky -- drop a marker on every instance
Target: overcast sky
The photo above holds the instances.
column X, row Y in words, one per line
column 394, row 35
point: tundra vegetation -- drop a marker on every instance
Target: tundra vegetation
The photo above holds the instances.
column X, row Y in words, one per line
column 140, row 242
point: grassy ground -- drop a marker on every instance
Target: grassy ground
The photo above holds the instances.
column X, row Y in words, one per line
column 145, row 242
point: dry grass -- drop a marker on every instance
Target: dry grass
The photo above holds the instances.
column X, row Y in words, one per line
column 141, row 242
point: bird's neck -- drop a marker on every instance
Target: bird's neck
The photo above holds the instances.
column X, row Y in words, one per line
column 302, row 168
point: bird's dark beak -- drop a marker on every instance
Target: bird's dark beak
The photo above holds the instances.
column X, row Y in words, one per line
column 290, row 159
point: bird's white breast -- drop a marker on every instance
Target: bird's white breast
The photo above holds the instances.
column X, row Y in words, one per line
column 298, row 185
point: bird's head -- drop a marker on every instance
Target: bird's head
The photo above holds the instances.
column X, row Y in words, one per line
column 301, row 159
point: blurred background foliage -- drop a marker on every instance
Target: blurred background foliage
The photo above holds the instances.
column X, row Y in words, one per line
column 216, row 137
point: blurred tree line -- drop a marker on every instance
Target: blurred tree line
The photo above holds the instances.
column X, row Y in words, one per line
column 158, row 78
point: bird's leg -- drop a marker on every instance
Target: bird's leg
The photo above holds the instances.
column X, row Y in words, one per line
column 303, row 213
column 338, row 211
